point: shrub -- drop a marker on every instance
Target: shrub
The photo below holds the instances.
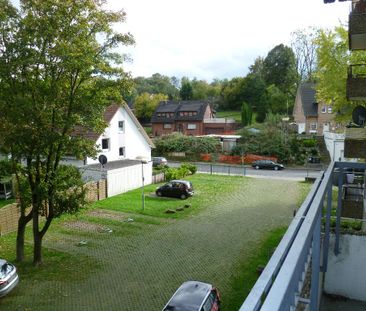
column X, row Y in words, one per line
column 192, row 168
column 308, row 143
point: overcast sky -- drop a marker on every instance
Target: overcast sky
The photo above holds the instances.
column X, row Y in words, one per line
column 210, row 39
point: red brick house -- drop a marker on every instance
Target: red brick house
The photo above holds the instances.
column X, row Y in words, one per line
column 310, row 116
column 188, row 117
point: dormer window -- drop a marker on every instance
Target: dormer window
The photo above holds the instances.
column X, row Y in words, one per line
column 121, row 126
column 324, row 109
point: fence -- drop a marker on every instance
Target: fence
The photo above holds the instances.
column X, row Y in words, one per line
column 9, row 214
column 158, row 178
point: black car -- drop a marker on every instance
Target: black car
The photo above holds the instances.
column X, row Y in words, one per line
column 159, row 161
column 176, row 188
column 267, row 164
column 194, row 296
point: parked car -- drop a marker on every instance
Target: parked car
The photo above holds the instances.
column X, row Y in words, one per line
column 8, row 277
column 159, row 161
column 176, row 189
column 194, row 296
column 268, row 164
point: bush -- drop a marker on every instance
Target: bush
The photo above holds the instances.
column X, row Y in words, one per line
column 192, row 168
column 308, row 143
column 177, row 173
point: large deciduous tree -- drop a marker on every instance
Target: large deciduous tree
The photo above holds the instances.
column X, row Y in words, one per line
column 331, row 75
column 58, row 72
column 145, row 105
column 279, row 68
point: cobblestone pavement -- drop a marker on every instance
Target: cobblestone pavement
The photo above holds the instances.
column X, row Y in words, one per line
column 141, row 270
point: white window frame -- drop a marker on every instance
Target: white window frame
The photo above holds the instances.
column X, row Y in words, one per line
column 330, row 109
column 121, row 129
column 191, row 126
column 324, row 109
column 167, row 126
column 313, row 127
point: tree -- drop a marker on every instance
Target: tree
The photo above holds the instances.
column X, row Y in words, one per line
column 333, row 60
column 304, row 47
column 186, row 91
column 145, row 105
column 57, row 74
column 279, row 68
column 246, row 114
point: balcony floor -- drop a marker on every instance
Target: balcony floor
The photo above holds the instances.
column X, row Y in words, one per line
column 329, row 303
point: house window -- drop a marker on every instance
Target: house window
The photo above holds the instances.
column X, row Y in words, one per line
column 190, row 114
column 105, row 144
column 330, row 110
column 191, row 126
column 121, row 151
column 167, row 126
column 195, row 113
column 313, row 126
column 121, row 126
column 324, row 109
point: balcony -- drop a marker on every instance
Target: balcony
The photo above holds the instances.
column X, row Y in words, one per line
column 355, row 143
column 356, row 82
column 357, row 26
column 313, row 258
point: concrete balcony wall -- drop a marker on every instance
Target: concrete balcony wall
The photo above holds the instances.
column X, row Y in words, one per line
column 346, row 275
column 356, row 88
column 357, row 31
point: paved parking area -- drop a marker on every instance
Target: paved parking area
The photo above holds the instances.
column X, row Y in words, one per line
column 141, row 270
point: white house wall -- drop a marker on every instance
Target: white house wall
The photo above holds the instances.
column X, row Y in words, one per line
column 128, row 178
column 335, row 145
column 131, row 139
column 346, row 274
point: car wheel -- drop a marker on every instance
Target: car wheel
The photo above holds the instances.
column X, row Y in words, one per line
column 159, row 194
column 257, row 167
column 183, row 196
column 276, row 168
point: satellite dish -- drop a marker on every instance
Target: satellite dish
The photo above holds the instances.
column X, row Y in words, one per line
column 359, row 115
column 102, row 159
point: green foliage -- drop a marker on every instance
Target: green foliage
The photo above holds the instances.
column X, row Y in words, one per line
column 279, row 68
column 145, row 104
column 186, row 91
column 333, row 60
column 308, row 143
column 5, row 168
column 192, row 168
column 58, row 74
column 181, row 143
column 246, row 114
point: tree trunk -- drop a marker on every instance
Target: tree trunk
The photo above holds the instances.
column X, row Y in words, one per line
column 22, row 223
column 37, row 251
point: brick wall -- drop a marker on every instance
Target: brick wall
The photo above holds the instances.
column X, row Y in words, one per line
column 9, row 216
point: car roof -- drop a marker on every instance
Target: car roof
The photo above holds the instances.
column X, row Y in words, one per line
column 189, row 296
column 181, row 181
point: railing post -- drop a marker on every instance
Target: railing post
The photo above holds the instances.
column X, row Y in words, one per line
column 327, row 228
column 211, row 168
column 339, row 211
column 315, row 266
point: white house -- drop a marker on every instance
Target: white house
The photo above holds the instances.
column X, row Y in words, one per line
column 127, row 148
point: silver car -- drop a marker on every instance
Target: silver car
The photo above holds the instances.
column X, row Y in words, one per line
column 8, row 277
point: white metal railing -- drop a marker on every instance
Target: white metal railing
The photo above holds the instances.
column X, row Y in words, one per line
column 280, row 284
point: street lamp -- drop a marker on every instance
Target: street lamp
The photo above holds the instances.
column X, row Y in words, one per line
column 143, row 161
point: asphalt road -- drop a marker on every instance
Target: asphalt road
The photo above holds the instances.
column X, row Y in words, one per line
column 226, row 169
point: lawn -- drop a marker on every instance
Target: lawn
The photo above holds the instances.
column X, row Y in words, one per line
column 229, row 114
column 6, row 202
column 232, row 226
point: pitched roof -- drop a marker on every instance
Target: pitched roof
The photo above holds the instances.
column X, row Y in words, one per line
column 108, row 115
column 173, row 108
column 308, row 100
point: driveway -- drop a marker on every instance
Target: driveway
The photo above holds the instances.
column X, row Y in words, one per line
column 141, row 270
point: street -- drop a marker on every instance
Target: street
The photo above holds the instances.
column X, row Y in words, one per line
column 227, row 169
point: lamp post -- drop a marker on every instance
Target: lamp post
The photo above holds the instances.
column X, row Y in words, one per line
column 143, row 161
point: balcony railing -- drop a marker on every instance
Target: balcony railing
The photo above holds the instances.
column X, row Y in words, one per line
column 281, row 283
column 357, row 26
column 356, row 82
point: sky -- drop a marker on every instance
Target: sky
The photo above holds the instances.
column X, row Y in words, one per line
column 208, row 39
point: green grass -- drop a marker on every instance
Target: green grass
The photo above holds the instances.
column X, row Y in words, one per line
column 206, row 188
column 246, row 274
column 229, row 114
column 6, row 202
